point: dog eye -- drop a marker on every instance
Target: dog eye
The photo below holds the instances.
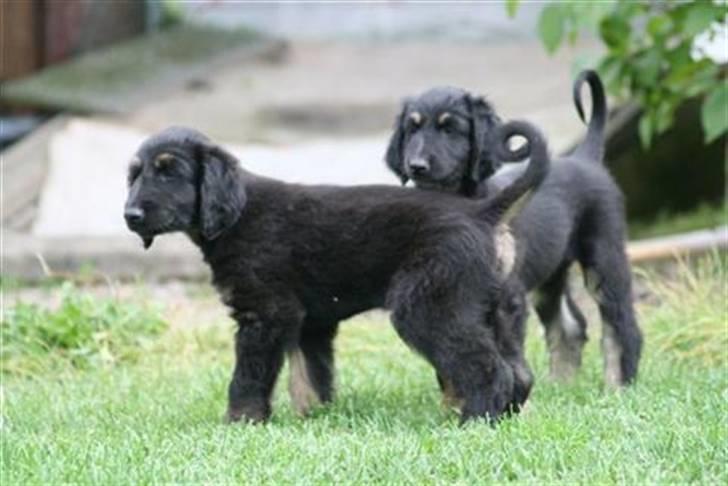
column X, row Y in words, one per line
column 163, row 169
column 164, row 162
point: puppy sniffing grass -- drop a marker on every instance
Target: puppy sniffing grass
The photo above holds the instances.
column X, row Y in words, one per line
column 441, row 142
column 291, row 261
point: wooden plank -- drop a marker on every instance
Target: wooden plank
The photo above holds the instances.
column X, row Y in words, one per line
column 21, row 36
column 679, row 245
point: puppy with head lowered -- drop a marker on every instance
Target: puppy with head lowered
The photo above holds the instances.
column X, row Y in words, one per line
column 441, row 142
column 291, row 261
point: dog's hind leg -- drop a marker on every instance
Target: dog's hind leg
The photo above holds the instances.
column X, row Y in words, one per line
column 564, row 325
column 607, row 276
column 464, row 354
column 312, row 366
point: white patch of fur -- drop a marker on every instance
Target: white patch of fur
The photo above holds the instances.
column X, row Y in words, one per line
column 505, row 249
column 303, row 394
column 564, row 344
column 568, row 322
column 565, row 357
column 612, row 352
column 611, row 349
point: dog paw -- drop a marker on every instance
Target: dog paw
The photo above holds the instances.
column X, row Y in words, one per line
column 244, row 414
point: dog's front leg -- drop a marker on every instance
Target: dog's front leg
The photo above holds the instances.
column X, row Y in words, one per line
column 259, row 348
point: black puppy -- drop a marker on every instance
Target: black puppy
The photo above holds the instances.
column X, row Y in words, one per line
column 291, row 261
column 440, row 141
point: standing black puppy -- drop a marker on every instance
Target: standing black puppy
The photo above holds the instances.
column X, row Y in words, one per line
column 291, row 261
column 440, row 141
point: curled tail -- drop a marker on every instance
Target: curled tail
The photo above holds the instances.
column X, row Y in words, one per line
column 505, row 205
column 593, row 145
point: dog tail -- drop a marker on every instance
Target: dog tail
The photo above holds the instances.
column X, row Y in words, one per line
column 506, row 204
column 593, row 145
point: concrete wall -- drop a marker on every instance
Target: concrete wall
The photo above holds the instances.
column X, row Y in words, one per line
column 372, row 21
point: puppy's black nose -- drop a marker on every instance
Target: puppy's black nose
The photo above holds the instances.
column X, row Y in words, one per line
column 419, row 166
column 134, row 216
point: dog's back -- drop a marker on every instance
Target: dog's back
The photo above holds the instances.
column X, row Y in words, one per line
column 574, row 195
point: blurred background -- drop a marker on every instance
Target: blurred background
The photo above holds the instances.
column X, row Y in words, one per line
column 308, row 93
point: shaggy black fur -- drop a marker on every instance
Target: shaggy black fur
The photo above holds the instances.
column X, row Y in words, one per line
column 440, row 142
column 291, row 261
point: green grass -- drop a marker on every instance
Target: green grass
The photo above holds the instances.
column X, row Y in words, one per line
column 82, row 332
column 158, row 419
column 702, row 217
column 696, row 298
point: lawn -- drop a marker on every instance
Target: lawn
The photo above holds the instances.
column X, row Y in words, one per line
column 105, row 415
column 664, row 224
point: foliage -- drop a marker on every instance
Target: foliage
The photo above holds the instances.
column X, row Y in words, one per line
column 651, row 54
column 172, row 14
column 83, row 332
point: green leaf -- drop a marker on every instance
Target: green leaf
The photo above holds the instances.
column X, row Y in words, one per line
column 659, row 26
column 665, row 114
column 588, row 15
column 551, row 27
column 615, row 32
column 680, row 54
column 645, row 130
column 714, row 113
column 626, row 9
column 701, row 78
column 648, row 67
column 699, row 17
column 512, row 7
column 684, row 74
column 614, row 72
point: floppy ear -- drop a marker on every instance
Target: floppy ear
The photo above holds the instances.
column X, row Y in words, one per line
column 222, row 195
column 483, row 164
column 393, row 157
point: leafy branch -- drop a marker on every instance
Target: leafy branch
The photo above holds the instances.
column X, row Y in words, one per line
column 651, row 54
